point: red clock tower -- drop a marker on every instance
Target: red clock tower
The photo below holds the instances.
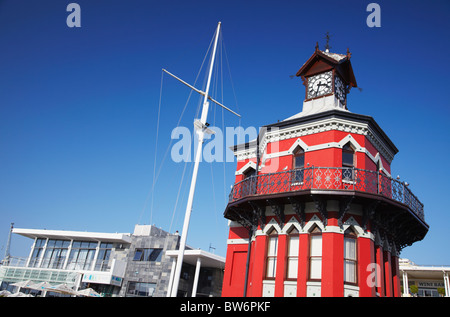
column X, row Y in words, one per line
column 314, row 210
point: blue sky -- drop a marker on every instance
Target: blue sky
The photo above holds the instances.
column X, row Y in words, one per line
column 79, row 106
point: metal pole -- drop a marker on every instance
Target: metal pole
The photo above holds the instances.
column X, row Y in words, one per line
column 8, row 246
column 194, row 175
column 247, row 266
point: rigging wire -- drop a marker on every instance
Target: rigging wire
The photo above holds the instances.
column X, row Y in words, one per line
column 156, row 149
column 192, row 138
column 156, row 174
column 218, row 88
column 238, row 110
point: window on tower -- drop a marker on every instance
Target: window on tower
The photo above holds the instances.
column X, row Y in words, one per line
column 350, row 258
column 348, row 162
column 249, row 172
column 249, row 186
column 315, row 254
column 271, row 259
column 298, row 165
column 292, row 256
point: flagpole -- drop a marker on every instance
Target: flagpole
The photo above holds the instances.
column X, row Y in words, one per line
column 200, row 133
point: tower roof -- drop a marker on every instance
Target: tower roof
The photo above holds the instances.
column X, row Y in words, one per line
column 321, row 61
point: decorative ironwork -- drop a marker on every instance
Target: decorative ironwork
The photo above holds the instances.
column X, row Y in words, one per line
column 368, row 212
column 328, row 178
column 321, row 206
column 299, row 208
column 344, row 207
column 278, row 210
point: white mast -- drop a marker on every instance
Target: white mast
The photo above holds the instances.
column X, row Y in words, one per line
column 201, row 129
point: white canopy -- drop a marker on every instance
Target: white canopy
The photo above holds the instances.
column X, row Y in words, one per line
column 61, row 288
column 89, row 292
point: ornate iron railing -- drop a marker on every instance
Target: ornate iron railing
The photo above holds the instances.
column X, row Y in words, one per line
column 327, row 178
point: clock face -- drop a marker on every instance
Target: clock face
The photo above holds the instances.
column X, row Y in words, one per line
column 319, row 85
column 339, row 89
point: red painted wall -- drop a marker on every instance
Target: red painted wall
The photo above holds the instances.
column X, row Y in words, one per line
column 332, row 243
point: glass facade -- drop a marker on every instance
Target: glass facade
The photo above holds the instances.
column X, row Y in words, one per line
column 71, row 255
column 148, row 254
column 141, row 289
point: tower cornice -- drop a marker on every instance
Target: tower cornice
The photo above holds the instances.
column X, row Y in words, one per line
column 320, row 122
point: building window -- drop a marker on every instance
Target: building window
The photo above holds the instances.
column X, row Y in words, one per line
column 37, row 252
column 55, row 254
column 103, row 256
column 315, row 254
column 271, row 260
column 298, row 165
column 249, row 186
column 150, row 255
column 348, row 162
column 82, row 255
column 292, row 256
column 350, row 259
column 141, row 289
column 249, row 173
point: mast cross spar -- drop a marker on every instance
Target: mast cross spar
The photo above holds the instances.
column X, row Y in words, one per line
column 201, row 129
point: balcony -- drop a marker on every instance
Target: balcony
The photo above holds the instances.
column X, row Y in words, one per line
column 328, row 180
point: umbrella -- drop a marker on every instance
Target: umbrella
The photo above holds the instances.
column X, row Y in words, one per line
column 20, row 294
column 61, row 288
column 5, row 293
column 88, row 292
column 24, row 284
column 40, row 286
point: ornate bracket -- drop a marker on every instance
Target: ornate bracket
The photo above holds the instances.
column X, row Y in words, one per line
column 299, row 208
column 344, row 207
column 368, row 212
column 321, row 206
column 244, row 219
column 278, row 210
column 259, row 213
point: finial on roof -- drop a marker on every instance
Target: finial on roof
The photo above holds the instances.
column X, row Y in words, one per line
column 348, row 53
column 327, row 45
column 317, row 46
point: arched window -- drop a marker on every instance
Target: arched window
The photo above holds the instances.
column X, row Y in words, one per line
column 298, row 165
column 292, row 255
column 348, row 162
column 249, row 186
column 350, row 257
column 315, row 254
column 249, row 172
column 271, row 258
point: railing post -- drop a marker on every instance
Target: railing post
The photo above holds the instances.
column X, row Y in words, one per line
column 354, row 180
column 378, row 181
column 404, row 189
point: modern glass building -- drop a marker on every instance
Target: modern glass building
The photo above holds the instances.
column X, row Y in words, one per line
column 113, row 264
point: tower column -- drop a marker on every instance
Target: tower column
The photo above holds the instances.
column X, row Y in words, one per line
column 332, row 264
column 367, row 282
column 281, row 265
column 258, row 266
column 380, row 271
column 395, row 277
column 388, row 273
column 303, row 265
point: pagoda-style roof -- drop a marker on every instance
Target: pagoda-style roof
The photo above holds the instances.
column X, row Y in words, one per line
column 322, row 61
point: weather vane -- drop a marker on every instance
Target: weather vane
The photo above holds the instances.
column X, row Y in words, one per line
column 327, row 45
